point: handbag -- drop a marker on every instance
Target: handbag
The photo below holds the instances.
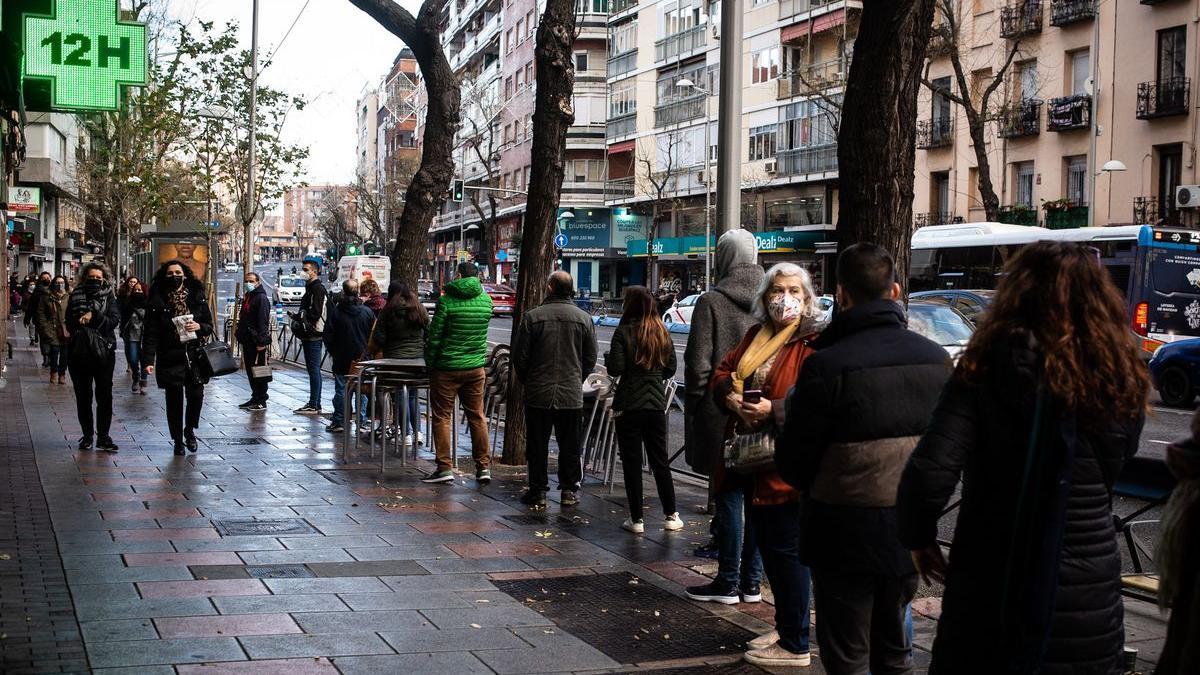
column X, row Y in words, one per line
column 215, row 359
column 750, row 453
column 262, row 372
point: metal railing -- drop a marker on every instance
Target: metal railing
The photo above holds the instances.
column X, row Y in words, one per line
column 1150, row 211
column 682, row 42
column 622, row 63
column 1023, row 119
column 932, row 218
column 1163, row 98
column 680, row 110
column 801, row 161
column 935, row 133
column 1069, row 218
column 790, row 8
column 1069, row 112
column 1064, row 12
column 619, row 188
column 1018, row 215
column 618, row 6
column 813, row 78
column 1021, row 19
column 621, row 126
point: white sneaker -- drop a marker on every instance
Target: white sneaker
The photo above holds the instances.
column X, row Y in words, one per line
column 775, row 656
column 420, row 438
column 764, row 640
column 634, row 526
column 672, row 523
column 408, row 440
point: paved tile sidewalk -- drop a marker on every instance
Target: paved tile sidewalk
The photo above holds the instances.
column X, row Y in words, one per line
column 354, row 573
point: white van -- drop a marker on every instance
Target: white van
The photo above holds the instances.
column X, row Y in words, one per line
column 361, row 267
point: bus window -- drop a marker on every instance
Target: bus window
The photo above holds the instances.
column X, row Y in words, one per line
column 967, row 267
column 1120, row 277
column 922, row 272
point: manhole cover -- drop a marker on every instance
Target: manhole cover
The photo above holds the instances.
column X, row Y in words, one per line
column 229, row 528
column 278, row 572
column 628, row 619
column 233, row 441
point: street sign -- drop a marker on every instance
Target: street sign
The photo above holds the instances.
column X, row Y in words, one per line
column 85, row 52
column 502, row 255
column 560, row 240
column 25, row 199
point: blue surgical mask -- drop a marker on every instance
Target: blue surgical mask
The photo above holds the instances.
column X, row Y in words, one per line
column 249, row 286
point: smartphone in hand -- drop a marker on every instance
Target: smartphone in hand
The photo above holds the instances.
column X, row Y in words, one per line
column 752, row 395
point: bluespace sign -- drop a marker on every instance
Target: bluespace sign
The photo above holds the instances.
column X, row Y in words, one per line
column 587, row 233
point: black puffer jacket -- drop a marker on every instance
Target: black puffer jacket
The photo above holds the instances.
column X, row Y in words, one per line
column 981, row 431
column 161, row 347
column 858, row 409
column 638, row 388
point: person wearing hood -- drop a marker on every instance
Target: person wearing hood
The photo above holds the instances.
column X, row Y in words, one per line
column 132, row 300
column 752, row 383
column 719, row 321
column 169, row 350
column 52, row 324
column 254, row 335
column 346, row 336
column 455, row 352
column 92, row 320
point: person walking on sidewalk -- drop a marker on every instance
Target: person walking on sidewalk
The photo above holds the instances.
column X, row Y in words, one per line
column 719, row 321
column 169, row 347
column 52, row 325
column 39, row 290
column 346, row 335
column 254, row 335
column 1044, row 408
column 400, row 334
column 857, row 411
column 132, row 301
column 553, row 352
column 455, row 353
column 752, row 383
column 309, row 326
column 92, row 320
column 643, row 357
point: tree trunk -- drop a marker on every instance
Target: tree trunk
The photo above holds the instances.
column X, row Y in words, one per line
column 976, row 126
column 553, row 114
column 427, row 191
column 877, row 136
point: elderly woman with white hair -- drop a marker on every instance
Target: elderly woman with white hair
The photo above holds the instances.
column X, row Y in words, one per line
column 753, row 382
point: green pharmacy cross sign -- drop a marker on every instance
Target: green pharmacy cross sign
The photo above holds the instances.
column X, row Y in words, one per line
column 85, row 52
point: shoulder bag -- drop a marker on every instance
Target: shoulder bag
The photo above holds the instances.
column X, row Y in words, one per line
column 215, row 359
column 751, row 453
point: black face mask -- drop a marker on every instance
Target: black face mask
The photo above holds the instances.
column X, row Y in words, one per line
column 58, row 287
column 93, row 283
column 174, row 283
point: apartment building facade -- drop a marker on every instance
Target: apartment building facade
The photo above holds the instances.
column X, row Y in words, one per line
column 302, row 206
column 1091, row 84
column 58, row 223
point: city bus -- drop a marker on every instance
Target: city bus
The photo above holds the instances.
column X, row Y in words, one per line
column 1157, row 269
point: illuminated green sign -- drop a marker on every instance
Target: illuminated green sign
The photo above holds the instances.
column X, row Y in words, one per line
column 85, row 52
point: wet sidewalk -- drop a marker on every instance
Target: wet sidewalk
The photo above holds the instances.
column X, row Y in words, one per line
column 262, row 553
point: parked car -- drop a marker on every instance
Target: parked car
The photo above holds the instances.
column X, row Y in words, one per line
column 826, row 304
column 681, row 311
column 971, row 304
column 288, row 290
column 504, row 299
column 427, row 295
column 941, row 323
column 1175, row 371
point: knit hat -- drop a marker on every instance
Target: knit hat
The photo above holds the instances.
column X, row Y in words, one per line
column 735, row 247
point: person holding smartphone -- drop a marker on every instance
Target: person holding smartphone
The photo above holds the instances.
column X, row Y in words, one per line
column 753, row 382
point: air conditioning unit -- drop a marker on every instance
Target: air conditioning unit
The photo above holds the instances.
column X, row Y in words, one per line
column 1187, row 196
column 769, row 167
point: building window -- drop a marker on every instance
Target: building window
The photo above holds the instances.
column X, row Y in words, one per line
column 588, row 170
column 508, row 87
column 530, row 24
column 622, row 39
column 1024, row 184
column 679, row 16
column 581, row 62
column 520, row 80
column 1028, row 78
column 1081, row 72
column 520, row 31
column 941, row 102
column 529, row 74
column 669, row 89
column 794, row 212
column 1077, row 182
column 508, row 42
column 764, row 65
column 1172, row 53
column 762, row 142
column 623, row 99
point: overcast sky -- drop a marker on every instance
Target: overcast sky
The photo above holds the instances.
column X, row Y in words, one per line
column 333, row 53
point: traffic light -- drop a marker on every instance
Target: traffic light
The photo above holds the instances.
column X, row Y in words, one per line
column 456, row 194
column 351, row 249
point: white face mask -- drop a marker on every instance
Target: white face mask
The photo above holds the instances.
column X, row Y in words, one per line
column 785, row 309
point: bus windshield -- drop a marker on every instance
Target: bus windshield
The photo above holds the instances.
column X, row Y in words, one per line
column 1174, row 282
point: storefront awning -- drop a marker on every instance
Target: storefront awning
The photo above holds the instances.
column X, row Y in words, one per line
column 623, row 146
column 817, row 25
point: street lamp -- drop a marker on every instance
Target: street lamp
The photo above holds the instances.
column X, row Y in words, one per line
column 685, row 83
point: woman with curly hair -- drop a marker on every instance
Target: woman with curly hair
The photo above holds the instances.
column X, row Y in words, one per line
column 1044, row 408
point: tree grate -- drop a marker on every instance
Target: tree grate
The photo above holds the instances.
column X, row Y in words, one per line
column 627, row 619
column 275, row 527
column 279, row 572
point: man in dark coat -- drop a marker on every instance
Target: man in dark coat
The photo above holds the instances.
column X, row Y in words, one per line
column 254, row 335
column 553, row 352
column 858, row 409
column 40, row 289
column 312, row 316
column 346, row 334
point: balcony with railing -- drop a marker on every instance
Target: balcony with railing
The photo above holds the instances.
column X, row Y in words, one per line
column 812, row 79
column 683, row 42
column 1066, row 12
column 1067, row 217
column 1018, row 214
column 679, row 110
column 622, row 63
column 1163, row 98
column 803, row 161
column 935, row 133
column 1022, row 119
column 932, row 218
column 619, row 188
column 618, row 6
column 621, row 126
column 1021, row 19
column 790, row 8
column 1151, row 211
column 1069, row 113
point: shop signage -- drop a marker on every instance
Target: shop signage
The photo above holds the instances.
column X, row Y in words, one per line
column 627, row 226
column 662, row 246
column 25, row 199
column 587, row 235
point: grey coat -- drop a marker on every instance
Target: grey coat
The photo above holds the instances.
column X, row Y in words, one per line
column 719, row 321
column 553, row 352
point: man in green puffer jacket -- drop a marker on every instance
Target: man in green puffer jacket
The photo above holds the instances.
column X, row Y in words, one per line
column 455, row 351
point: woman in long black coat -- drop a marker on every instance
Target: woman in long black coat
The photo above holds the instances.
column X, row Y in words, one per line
column 177, row 293
column 1044, row 408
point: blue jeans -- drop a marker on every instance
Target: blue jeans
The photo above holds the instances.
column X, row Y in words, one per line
column 413, row 422
column 739, row 564
column 58, row 359
column 133, row 352
column 339, row 402
column 312, row 363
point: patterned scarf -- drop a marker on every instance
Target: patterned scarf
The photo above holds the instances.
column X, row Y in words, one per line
column 178, row 300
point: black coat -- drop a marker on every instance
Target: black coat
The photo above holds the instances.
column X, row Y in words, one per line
column 314, row 307
column 106, row 314
column 858, row 408
column 980, row 432
column 161, row 347
column 346, row 333
column 553, row 352
column 638, row 388
column 254, row 324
